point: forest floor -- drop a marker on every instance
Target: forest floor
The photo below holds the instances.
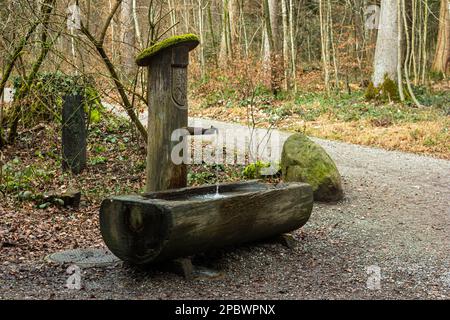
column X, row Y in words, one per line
column 395, row 216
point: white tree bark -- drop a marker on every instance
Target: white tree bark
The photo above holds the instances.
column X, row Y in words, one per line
column 137, row 27
column 293, row 46
column 229, row 43
column 286, row 62
column 386, row 59
column 201, row 50
column 128, row 37
column 274, row 23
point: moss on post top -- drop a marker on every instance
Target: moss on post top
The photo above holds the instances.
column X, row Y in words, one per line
column 190, row 40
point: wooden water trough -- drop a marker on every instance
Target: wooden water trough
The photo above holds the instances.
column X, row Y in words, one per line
column 166, row 225
column 174, row 224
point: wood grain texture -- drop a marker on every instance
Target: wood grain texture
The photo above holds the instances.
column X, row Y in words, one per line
column 168, row 111
column 168, row 225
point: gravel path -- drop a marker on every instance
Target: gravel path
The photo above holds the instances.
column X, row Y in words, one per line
column 395, row 217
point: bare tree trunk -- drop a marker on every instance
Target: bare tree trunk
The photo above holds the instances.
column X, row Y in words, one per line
column 408, row 49
column 272, row 60
column 424, row 41
column 293, row 46
column 324, row 46
column 229, row 48
column 213, row 34
column 399, row 52
column 225, row 42
column 234, row 11
column 287, row 69
column 413, row 60
column 201, row 51
column 128, row 39
column 137, row 26
column 274, row 24
column 173, row 17
column 442, row 56
column 386, row 58
column 333, row 47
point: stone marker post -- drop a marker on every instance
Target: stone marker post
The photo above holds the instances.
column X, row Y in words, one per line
column 167, row 61
column 73, row 134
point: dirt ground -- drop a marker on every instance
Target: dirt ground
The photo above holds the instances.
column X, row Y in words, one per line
column 395, row 217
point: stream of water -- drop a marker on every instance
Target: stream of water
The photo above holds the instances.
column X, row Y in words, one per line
column 216, row 195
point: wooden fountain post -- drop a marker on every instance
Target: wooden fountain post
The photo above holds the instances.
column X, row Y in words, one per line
column 167, row 63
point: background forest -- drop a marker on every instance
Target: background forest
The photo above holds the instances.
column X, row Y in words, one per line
column 298, row 63
column 360, row 71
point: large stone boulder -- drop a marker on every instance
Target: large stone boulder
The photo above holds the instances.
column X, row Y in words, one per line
column 305, row 161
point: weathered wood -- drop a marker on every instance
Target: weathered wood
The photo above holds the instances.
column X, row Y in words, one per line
column 73, row 134
column 172, row 224
column 168, row 109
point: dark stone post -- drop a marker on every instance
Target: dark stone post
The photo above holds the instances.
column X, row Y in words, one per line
column 73, row 134
column 168, row 108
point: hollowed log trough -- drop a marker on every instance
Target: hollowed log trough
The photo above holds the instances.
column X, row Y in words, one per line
column 167, row 225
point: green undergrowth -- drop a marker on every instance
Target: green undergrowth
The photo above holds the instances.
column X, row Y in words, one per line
column 46, row 97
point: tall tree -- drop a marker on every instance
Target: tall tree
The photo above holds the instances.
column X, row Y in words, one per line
column 272, row 56
column 230, row 30
column 201, row 51
column 128, row 38
column 286, row 62
column 324, row 37
column 387, row 47
column 442, row 56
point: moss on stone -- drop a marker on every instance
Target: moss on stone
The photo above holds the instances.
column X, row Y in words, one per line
column 305, row 161
column 191, row 40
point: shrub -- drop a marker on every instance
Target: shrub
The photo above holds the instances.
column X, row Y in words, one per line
column 45, row 99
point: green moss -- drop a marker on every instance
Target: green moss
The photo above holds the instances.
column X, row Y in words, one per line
column 437, row 75
column 371, row 92
column 387, row 91
column 254, row 170
column 191, row 40
column 305, row 161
